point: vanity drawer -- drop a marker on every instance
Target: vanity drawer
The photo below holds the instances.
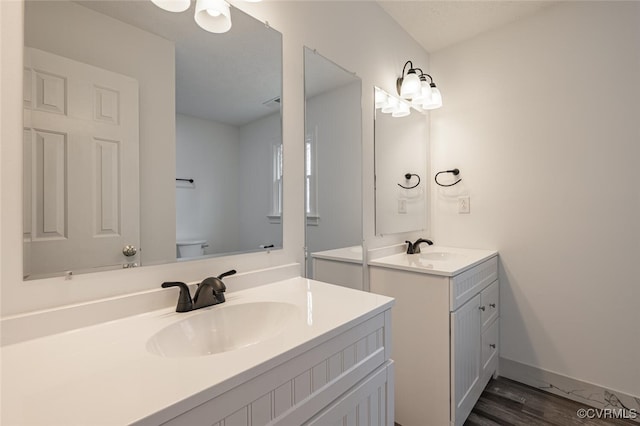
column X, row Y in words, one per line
column 469, row 283
column 489, row 304
column 490, row 346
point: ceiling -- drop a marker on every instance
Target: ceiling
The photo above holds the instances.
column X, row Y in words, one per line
column 439, row 24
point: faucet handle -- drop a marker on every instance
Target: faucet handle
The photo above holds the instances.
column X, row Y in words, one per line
column 231, row 272
column 185, row 304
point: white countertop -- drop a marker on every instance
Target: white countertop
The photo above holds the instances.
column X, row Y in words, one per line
column 454, row 260
column 344, row 254
column 104, row 375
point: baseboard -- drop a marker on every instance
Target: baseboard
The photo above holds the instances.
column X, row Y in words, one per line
column 598, row 397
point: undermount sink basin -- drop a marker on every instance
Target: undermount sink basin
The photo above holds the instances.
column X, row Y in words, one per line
column 441, row 255
column 223, row 328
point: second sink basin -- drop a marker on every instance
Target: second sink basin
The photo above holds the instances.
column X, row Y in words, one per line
column 441, row 255
column 223, row 328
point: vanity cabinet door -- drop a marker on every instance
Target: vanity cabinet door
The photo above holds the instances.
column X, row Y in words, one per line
column 489, row 300
column 490, row 349
column 370, row 403
column 465, row 359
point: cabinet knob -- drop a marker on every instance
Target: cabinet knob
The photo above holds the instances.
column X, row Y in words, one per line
column 482, row 308
column 493, row 305
column 492, row 345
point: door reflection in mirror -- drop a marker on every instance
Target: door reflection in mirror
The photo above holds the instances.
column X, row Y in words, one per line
column 80, row 143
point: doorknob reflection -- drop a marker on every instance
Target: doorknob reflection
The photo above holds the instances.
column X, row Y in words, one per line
column 129, row 250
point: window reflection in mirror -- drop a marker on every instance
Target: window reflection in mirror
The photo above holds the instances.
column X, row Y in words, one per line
column 401, row 148
column 103, row 76
column 333, row 164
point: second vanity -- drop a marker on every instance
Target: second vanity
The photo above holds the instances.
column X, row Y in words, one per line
column 296, row 351
column 342, row 266
column 445, row 330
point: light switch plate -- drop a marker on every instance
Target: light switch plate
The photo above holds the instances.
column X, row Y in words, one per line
column 463, row 205
column 402, row 206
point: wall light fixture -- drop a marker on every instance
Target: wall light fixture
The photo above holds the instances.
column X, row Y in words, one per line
column 409, row 84
column 415, row 88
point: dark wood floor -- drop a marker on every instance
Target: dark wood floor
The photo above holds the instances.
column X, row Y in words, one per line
column 505, row 402
column 508, row 403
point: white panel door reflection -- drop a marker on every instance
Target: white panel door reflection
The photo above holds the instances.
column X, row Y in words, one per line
column 81, row 192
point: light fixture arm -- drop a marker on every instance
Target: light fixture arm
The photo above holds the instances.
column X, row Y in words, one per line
column 431, row 83
column 423, row 75
column 405, row 67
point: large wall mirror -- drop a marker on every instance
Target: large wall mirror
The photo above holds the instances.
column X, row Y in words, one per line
column 147, row 139
column 333, row 163
column 401, row 168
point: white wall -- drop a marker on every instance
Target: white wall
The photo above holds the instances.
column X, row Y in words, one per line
column 334, row 118
column 371, row 45
column 208, row 153
column 54, row 27
column 541, row 117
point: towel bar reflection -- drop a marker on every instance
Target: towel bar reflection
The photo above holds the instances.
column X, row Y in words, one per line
column 408, row 177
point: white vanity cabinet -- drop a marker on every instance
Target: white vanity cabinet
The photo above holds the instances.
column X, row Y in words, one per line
column 474, row 350
column 341, row 266
column 446, row 329
column 345, row 380
column 328, row 364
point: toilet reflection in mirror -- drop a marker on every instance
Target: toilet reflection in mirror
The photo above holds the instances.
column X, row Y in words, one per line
column 333, row 172
column 190, row 248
